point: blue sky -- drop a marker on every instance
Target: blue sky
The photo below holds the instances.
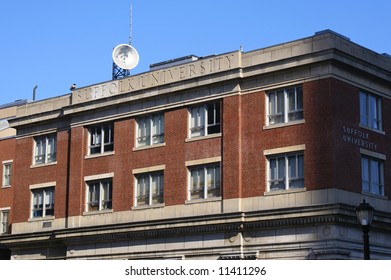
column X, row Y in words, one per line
column 54, row 44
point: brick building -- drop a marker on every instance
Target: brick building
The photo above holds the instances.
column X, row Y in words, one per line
column 262, row 154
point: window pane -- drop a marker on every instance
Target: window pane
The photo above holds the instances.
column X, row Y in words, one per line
column 296, row 171
column 4, row 218
column 106, row 195
column 142, row 190
column 108, row 133
column 93, row 196
column 363, row 109
column 51, row 149
column 157, row 188
column 292, row 167
column 213, row 118
column 213, row 181
column 365, row 174
column 373, row 111
column 299, row 98
column 276, row 107
column 197, row 183
column 37, row 203
column 40, row 149
column 157, row 129
column 291, row 99
column 280, row 102
column 277, row 173
column 49, row 202
column 143, row 137
column 197, row 122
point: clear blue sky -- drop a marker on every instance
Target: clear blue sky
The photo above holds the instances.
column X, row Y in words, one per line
column 53, row 44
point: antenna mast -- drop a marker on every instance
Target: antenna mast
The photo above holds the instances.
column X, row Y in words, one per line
column 130, row 27
column 118, row 72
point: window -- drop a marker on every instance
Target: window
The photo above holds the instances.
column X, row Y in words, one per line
column 101, row 139
column 285, row 105
column 99, row 195
column 45, row 149
column 4, row 221
column 205, row 120
column 150, row 188
column 204, row 181
column 286, row 172
column 370, row 111
column 7, row 170
column 42, row 202
column 150, row 130
column 372, row 174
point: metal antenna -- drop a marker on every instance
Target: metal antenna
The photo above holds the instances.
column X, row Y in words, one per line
column 130, row 33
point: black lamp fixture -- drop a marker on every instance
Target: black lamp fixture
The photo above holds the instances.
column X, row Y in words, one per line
column 364, row 214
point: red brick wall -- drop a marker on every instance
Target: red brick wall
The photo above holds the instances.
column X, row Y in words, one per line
column 7, row 152
column 25, row 175
column 330, row 162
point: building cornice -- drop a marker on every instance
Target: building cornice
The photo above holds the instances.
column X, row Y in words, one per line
column 218, row 223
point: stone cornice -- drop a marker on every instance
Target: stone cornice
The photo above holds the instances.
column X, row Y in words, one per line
column 221, row 223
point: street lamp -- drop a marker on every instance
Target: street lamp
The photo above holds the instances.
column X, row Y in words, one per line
column 364, row 214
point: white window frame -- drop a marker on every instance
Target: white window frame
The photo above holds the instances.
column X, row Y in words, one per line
column 286, row 179
column 7, row 173
column 204, row 188
column 4, row 222
column 200, row 121
column 150, row 130
column 96, row 139
column 44, row 192
column 45, row 149
column 151, row 196
column 101, row 202
column 370, row 116
column 286, row 114
column 370, row 181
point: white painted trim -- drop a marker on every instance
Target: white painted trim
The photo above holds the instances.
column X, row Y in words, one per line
column 99, row 176
column 42, row 185
column 284, row 150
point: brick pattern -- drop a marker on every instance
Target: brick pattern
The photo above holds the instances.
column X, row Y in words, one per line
column 330, row 162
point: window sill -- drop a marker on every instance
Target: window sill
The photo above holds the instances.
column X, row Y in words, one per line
column 375, row 195
column 203, row 200
column 278, row 125
column 216, row 135
column 99, row 155
column 43, row 164
column 372, row 129
column 147, row 147
column 145, row 207
column 41, row 219
column 6, row 187
column 278, row 192
column 106, row 211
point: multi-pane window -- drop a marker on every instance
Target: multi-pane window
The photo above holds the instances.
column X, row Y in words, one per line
column 99, row 195
column 7, row 170
column 285, row 105
column 372, row 175
column 4, row 221
column 286, row 171
column 45, row 149
column 101, row 138
column 370, row 111
column 42, row 202
column 204, row 181
column 150, row 187
column 150, row 130
column 205, row 119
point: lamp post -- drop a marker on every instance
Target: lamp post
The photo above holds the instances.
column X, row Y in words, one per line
column 364, row 214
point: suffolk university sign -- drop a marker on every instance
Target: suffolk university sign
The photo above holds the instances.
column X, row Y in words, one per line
column 178, row 73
